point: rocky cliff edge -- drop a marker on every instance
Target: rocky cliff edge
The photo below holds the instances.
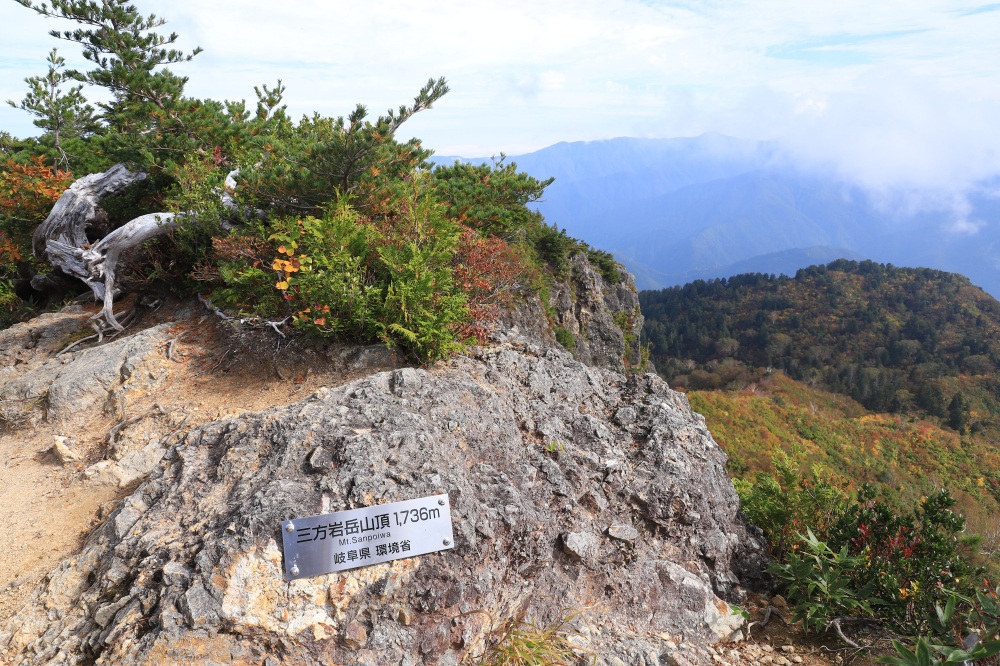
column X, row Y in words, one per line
column 575, row 492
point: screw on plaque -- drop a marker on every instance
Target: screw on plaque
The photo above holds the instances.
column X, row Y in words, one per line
column 294, row 570
column 290, row 527
column 441, row 501
column 447, row 542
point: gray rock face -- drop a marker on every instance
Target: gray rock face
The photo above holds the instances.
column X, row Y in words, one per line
column 88, row 382
column 603, row 319
column 572, row 489
column 22, row 345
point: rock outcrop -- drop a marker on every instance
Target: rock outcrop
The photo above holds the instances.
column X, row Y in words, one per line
column 574, row 490
column 597, row 320
column 38, row 383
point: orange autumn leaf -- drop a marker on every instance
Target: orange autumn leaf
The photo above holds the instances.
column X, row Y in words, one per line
column 27, row 191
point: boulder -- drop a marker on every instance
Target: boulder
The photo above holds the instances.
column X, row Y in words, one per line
column 79, row 385
column 631, row 529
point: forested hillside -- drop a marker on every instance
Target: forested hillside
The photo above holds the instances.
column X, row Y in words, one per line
column 915, row 341
column 858, row 404
column 880, row 374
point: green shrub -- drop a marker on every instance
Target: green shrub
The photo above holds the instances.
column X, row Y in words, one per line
column 973, row 624
column 551, row 247
column 347, row 276
column 791, row 501
column 325, row 267
column 862, row 556
column 566, row 338
column 820, row 584
column 423, row 308
column 490, row 198
column 912, row 561
column 10, row 304
column 606, row 265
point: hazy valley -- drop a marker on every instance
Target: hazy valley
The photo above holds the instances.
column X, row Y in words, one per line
column 676, row 210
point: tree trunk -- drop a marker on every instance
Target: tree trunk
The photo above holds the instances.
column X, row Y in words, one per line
column 62, row 239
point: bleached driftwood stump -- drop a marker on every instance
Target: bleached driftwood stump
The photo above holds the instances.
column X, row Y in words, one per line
column 62, row 238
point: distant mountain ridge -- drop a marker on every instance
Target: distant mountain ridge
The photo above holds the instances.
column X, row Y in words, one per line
column 714, row 206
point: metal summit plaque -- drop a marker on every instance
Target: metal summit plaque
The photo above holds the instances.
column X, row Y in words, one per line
column 317, row 545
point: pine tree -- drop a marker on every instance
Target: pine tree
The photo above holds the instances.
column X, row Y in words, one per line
column 62, row 114
column 958, row 413
column 129, row 59
column 127, row 55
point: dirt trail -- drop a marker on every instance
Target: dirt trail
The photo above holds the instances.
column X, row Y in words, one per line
column 48, row 507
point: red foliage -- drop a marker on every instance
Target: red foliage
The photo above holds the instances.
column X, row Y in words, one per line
column 27, row 191
column 486, row 269
column 242, row 249
column 9, row 252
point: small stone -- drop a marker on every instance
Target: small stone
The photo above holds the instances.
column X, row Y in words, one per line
column 175, row 573
column 766, row 659
column 63, row 452
column 319, row 632
column 623, row 533
column 580, row 545
column 781, row 661
column 320, row 460
column 767, row 648
column 797, row 659
column 677, row 659
column 106, row 613
column 788, row 649
column 355, row 635
column 404, row 616
column 778, row 601
column 198, row 606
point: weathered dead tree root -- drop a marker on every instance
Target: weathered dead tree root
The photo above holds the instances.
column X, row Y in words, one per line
column 112, row 437
column 860, row 621
column 253, row 321
column 62, row 238
column 125, row 320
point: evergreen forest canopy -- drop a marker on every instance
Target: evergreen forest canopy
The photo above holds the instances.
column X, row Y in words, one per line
column 894, row 339
column 332, row 224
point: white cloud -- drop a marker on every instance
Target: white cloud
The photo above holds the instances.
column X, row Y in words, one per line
column 892, row 94
column 896, row 130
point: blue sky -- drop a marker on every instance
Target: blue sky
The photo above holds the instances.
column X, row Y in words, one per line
column 894, row 94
